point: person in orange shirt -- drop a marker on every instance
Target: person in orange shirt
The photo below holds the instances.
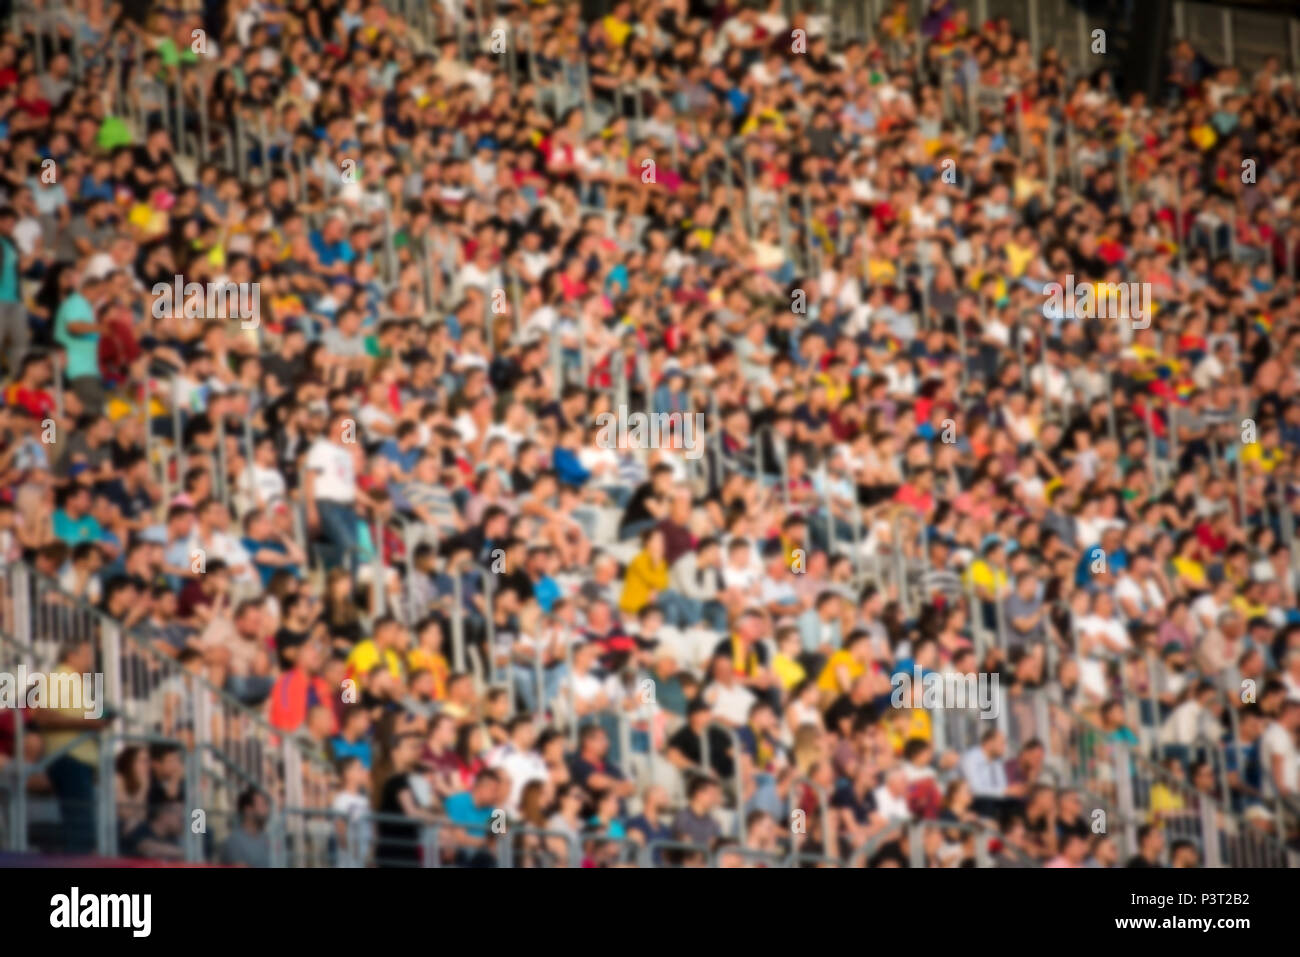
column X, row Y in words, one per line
column 427, row 655
column 299, row 690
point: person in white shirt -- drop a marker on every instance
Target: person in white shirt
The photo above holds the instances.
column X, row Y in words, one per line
column 330, row 484
column 729, row 699
column 587, row 691
column 262, row 481
column 1101, row 636
column 739, row 572
column 518, row 759
column 1277, row 753
column 1137, row 593
column 1190, row 719
column 352, row 806
column 891, row 797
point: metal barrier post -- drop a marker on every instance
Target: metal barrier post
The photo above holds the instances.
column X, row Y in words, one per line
column 18, row 809
column 1209, row 832
column 111, row 651
column 106, row 824
column 1124, row 798
column 916, row 846
column 193, row 840
column 457, row 621
column 378, row 591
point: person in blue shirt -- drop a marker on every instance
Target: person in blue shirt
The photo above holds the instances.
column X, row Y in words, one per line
column 403, row 449
column 568, row 469
column 1241, row 758
column 353, row 739
column 73, row 522
column 541, row 561
column 648, row 826
column 271, row 552
column 332, row 250
column 475, row 811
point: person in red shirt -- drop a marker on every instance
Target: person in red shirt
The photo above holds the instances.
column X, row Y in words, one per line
column 29, row 392
column 299, row 690
column 30, row 100
column 918, row 492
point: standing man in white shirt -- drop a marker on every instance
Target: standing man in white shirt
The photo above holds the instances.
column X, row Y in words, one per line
column 330, row 485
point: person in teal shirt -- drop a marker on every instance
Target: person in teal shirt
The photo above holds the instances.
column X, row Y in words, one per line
column 475, row 810
column 15, row 334
column 73, row 522
column 76, row 330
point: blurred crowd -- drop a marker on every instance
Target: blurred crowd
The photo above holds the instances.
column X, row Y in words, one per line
column 387, row 511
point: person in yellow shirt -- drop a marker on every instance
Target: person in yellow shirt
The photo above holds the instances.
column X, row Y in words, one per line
column 1020, row 252
column 846, row 665
column 903, row 724
column 985, row 574
column 785, row 663
column 1265, row 454
column 1187, row 563
column 386, row 647
column 1167, row 800
column 616, row 25
column 647, row 574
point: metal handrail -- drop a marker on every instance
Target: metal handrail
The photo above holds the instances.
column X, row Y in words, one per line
column 109, row 632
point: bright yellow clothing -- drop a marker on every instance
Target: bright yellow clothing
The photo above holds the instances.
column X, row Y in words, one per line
column 918, row 727
column 435, row 664
column 1192, row 570
column 983, row 575
column 841, row 659
column 1165, row 801
column 1018, row 258
column 788, row 671
column 365, row 656
column 1247, row 610
column 977, row 278
column 617, row 30
column 775, row 117
column 1266, row 459
column 880, row 271
column 644, row 577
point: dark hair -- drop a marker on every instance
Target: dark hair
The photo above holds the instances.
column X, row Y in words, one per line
column 247, row 798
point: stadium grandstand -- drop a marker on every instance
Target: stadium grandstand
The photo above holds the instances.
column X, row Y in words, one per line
column 656, row 434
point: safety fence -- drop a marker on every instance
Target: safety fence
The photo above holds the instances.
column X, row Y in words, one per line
column 149, row 697
column 369, row 839
column 1128, row 782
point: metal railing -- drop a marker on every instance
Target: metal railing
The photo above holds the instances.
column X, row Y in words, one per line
column 154, row 695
